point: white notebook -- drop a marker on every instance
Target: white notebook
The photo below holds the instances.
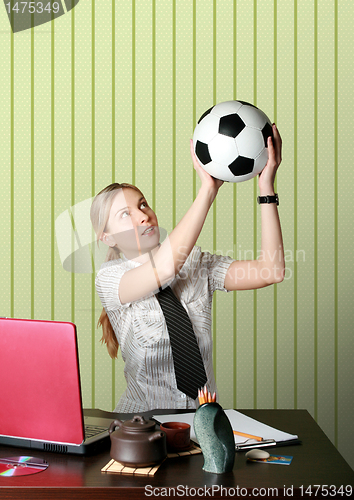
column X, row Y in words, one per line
column 239, row 422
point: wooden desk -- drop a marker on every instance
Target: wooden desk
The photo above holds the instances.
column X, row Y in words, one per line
column 316, row 462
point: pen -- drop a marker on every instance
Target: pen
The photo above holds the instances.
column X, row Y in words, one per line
column 249, row 436
column 258, row 444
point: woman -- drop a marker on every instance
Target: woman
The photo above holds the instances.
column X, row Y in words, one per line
column 138, row 266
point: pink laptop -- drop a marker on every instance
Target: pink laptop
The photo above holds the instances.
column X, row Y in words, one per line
column 40, row 394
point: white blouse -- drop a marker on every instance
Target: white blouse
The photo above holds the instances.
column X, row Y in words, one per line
column 142, row 333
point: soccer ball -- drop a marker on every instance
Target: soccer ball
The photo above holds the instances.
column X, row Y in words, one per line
column 230, row 141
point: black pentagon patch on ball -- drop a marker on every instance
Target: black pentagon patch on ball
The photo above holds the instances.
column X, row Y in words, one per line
column 267, row 131
column 241, row 166
column 202, row 151
column 204, row 114
column 231, row 125
column 248, row 104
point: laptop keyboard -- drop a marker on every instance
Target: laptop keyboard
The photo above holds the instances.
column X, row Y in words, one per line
column 93, row 430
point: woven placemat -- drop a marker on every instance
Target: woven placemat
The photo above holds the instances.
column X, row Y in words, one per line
column 118, row 468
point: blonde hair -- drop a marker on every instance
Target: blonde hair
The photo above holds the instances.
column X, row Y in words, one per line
column 99, row 214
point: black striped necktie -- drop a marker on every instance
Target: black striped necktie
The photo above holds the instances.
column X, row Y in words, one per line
column 187, row 360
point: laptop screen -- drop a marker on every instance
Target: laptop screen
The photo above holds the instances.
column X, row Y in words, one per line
column 40, row 395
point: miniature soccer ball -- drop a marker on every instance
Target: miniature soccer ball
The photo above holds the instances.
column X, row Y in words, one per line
column 230, row 141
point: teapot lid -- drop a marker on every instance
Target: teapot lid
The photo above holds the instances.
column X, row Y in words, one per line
column 139, row 424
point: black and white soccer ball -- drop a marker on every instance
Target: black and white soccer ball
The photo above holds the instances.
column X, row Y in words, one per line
column 230, row 141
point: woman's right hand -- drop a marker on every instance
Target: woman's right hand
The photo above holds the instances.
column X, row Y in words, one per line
column 208, row 182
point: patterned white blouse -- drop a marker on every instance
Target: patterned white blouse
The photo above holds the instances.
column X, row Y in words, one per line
column 142, row 333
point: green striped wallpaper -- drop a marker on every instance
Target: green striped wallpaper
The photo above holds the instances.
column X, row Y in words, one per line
column 111, row 91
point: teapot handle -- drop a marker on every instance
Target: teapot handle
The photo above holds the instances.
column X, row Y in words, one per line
column 114, row 424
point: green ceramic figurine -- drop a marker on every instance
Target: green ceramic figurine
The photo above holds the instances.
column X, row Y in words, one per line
column 215, row 437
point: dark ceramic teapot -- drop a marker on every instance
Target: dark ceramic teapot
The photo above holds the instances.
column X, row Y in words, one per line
column 136, row 442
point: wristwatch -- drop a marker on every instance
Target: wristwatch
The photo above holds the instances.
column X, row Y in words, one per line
column 268, row 199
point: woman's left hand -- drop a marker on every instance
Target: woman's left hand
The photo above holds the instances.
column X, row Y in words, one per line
column 267, row 177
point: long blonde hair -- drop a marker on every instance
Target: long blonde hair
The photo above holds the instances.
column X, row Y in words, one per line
column 99, row 214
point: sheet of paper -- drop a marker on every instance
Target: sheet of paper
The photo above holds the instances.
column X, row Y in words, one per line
column 239, row 422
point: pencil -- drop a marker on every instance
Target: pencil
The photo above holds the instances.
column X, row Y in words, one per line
column 201, row 396
column 249, row 436
column 204, row 396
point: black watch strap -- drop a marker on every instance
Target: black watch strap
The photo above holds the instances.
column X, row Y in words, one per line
column 268, row 199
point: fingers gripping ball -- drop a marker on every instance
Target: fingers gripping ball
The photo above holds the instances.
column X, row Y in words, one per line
column 230, row 141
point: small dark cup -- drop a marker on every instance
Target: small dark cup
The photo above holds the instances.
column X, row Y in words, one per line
column 177, row 435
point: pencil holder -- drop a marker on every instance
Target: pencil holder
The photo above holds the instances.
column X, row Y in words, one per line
column 215, row 437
